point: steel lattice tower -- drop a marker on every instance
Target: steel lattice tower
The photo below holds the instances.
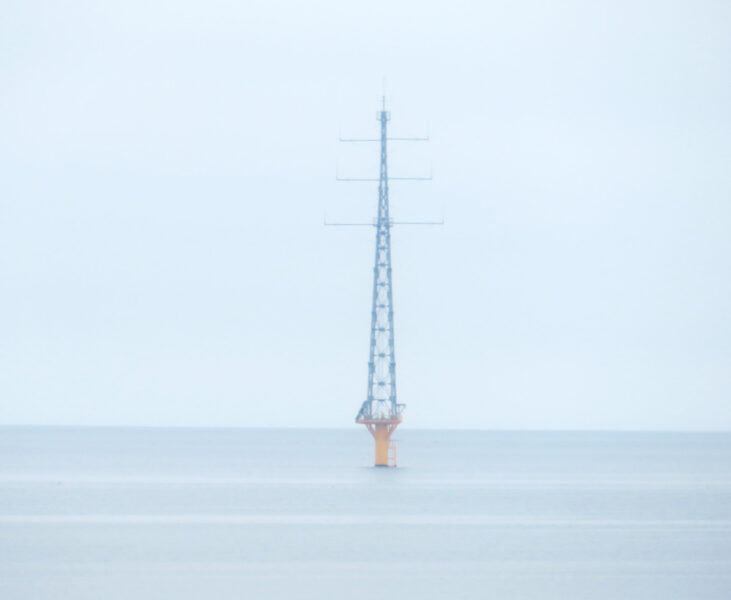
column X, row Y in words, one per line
column 380, row 404
column 380, row 412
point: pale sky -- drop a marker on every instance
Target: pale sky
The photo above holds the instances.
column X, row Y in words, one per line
column 165, row 168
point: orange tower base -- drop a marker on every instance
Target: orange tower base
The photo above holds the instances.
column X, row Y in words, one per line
column 381, row 431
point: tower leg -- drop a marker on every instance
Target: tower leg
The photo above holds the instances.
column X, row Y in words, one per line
column 381, row 433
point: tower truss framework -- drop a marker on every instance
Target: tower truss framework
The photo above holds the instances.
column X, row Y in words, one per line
column 381, row 412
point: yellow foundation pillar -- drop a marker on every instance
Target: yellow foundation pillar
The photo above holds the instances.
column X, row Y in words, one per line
column 381, row 432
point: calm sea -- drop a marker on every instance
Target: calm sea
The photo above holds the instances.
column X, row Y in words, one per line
column 299, row 514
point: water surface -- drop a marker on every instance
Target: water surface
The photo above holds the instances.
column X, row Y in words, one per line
column 236, row 513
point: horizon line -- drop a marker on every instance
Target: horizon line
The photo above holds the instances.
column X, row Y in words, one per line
column 347, row 428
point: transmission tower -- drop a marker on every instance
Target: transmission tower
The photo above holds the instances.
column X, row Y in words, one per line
column 381, row 413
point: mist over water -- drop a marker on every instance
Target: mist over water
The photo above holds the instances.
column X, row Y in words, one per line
column 236, row 513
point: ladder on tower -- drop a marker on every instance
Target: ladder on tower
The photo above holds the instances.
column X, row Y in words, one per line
column 391, row 454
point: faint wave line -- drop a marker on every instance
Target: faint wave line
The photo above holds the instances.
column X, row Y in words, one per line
column 242, row 519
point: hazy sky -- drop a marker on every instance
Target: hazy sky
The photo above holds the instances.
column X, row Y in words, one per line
column 165, row 168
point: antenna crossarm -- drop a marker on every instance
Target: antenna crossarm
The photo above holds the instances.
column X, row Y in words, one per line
column 379, row 179
column 391, row 139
